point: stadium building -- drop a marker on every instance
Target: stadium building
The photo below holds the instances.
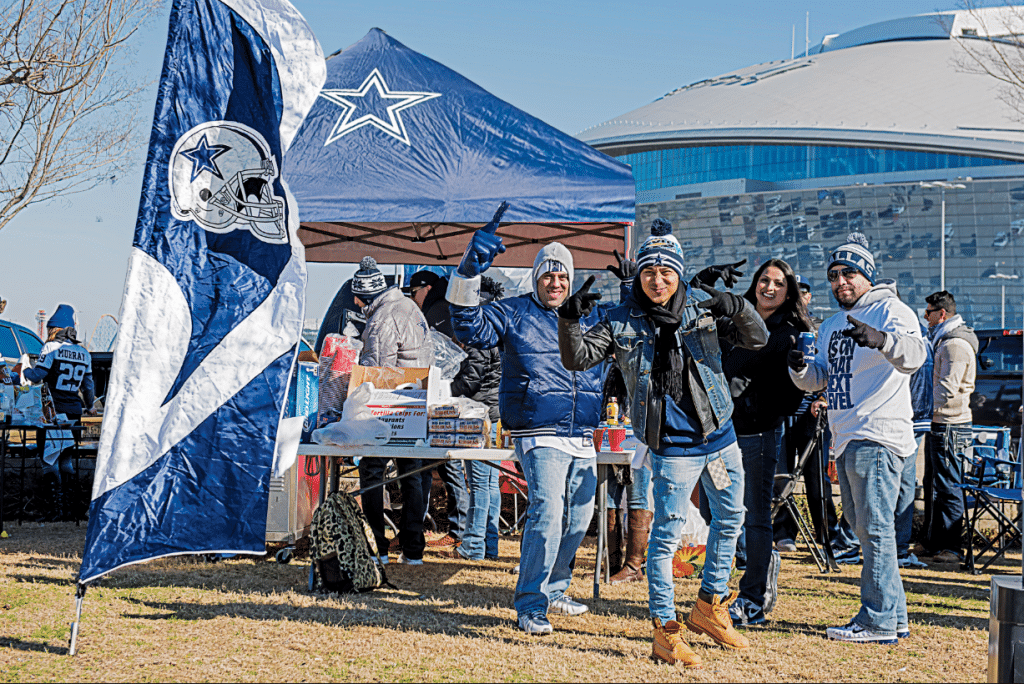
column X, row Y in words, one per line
column 882, row 130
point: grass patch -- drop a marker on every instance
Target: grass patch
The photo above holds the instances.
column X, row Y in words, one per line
column 243, row 620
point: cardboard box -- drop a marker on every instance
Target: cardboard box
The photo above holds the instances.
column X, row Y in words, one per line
column 395, row 402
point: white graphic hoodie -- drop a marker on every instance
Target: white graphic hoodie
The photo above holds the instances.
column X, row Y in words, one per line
column 869, row 389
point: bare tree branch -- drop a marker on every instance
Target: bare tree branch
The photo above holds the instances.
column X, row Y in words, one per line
column 993, row 44
column 68, row 109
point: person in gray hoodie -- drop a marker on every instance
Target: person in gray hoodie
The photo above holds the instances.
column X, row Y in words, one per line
column 396, row 334
column 955, row 347
column 868, row 351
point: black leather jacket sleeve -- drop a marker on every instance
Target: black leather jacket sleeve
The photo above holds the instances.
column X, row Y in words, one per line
column 746, row 329
column 582, row 351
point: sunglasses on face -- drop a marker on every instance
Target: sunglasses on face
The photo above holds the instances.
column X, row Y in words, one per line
column 929, row 312
column 847, row 273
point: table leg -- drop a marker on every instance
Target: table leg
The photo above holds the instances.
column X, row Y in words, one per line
column 4, row 433
column 602, row 526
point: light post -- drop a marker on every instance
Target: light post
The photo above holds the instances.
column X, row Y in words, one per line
column 1002, row 313
column 943, row 186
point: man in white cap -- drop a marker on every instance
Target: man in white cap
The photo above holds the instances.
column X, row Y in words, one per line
column 866, row 355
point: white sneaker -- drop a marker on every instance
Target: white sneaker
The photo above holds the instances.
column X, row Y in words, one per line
column 858, row 634
column 402, row 560
column 563, row 605
column 785, row 545
column 535, row 624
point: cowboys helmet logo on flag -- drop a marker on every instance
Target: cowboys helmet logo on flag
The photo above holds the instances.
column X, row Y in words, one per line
column 214, row 297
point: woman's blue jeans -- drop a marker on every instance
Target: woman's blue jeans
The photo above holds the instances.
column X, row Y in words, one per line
column 480, row 539
column 869, row 479
column 638, row 492
column 674, row 479
column 760, row 459
column 561, row 489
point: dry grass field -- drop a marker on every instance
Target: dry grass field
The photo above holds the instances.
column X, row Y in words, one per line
column 245, row 620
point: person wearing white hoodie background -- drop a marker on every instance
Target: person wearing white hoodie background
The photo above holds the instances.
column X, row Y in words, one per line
column 868, row 352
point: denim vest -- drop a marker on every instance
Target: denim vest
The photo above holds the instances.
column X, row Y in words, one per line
column 633, row 342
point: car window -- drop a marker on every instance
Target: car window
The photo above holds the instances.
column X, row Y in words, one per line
column 29, row 342
column 8, row 345
column 1000, row 355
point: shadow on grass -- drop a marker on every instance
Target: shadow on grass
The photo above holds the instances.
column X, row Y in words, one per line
column 947, row 588
column 954, row 621
column 32, row 646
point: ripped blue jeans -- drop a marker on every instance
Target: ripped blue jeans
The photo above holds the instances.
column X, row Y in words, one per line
column 674, row 479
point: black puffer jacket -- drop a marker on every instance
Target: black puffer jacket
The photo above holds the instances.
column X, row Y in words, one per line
column 479, row 377
column 435, row 309
column 759, row 382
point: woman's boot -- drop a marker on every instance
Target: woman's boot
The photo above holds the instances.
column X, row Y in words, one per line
column 614, row 541
column 636, row 546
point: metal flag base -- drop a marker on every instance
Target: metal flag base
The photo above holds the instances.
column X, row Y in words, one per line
column 79, row 598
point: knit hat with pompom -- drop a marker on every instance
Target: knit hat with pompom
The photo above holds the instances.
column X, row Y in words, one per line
column 661, row 249
column 368, row 282
column 855, row 253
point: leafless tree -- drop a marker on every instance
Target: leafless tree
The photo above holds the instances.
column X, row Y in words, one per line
column 992, row 42
column 68, row 106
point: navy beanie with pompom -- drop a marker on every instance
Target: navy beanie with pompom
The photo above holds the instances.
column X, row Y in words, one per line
column 855, row 253
column 368, row 282
column 661, row 249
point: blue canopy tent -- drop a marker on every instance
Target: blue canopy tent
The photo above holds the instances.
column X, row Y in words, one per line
column 402, row 158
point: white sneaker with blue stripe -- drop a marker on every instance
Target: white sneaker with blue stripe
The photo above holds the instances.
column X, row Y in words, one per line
column 858, row 634
column 534, row 624
column 563, row 605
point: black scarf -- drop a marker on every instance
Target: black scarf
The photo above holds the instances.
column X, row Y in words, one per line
column 668, row 376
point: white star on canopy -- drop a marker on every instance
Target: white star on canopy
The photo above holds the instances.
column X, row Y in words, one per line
column 349, row 99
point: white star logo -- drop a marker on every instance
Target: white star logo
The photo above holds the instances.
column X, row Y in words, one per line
column 350, row 101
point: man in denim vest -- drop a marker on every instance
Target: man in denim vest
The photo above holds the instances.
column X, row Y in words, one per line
column 665, row 340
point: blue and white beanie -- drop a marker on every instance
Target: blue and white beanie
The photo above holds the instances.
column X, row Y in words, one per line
column 368, row 282
column 855, row 253
column 661, row 249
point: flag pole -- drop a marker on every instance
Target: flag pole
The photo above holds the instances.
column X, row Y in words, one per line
column 79, row 598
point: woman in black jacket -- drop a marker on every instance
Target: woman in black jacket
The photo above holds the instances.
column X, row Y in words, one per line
column 763, row 395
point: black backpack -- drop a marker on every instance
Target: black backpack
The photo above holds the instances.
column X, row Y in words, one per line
column 343, row 549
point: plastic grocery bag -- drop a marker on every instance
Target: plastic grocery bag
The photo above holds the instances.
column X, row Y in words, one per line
column 338, row 356
column 447, row 355
column 695, row 531
column 358, row 425
column 28, row 405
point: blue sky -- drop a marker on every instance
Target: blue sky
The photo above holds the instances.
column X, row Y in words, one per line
column 572, row 64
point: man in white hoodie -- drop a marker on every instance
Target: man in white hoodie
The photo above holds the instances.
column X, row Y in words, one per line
column 868, row 352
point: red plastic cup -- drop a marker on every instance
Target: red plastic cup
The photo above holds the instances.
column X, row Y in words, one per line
column 616, row 436
column 598, row 437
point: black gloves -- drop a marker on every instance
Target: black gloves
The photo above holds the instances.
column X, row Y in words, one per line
column 864, row 335
column 795, row 358
column 727, row 272
column 626, row 270
column 721, row 304
column 581, row 303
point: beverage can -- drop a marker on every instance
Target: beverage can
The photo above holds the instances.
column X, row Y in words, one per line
column 806, row 344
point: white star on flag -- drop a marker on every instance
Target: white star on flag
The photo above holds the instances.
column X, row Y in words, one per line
column 349, row 99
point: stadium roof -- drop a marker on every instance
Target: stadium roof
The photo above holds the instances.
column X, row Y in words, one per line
column 905, row 84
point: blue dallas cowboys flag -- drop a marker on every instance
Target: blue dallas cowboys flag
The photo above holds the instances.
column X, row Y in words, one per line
column 214, row 297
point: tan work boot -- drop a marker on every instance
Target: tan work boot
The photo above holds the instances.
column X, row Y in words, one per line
column 636, row 547
column 713, row 619
column 670, row 646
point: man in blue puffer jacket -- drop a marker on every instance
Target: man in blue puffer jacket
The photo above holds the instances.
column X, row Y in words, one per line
column 551, row 413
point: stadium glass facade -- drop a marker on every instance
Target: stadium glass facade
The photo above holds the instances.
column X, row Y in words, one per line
column 655, row 169
column 984, row 237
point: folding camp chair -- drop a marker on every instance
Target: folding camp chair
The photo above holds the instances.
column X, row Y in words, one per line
column 990, row 488
column 516, row 488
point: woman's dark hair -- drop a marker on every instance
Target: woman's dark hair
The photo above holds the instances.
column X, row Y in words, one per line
column 793, row 308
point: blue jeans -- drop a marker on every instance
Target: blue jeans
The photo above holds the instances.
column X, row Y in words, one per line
column 638, row 494
column 674, row 479
column 905, row 502
column 458, row 500
column 760, row 459
column 869, row 479
column 944, row 500
column 561, row 491
column 480, row 539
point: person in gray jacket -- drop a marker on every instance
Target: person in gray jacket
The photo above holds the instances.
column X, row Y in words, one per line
column 955, row 347
column 396, row 334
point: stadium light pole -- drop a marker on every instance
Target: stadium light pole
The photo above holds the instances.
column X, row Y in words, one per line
column 1002, row 312
column 943, row 186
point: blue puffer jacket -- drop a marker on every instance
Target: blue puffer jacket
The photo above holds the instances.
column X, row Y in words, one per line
column 921, row 391
column 537, row 395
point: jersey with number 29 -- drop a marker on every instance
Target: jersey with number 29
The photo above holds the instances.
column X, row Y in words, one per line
column 65, row 368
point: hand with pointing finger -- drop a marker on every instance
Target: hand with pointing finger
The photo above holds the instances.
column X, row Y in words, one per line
column 484, row 246
column 581, row 303
column 729, row 273
column 864, row 335
column 721, row 304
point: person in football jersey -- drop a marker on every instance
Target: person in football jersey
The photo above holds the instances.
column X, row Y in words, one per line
column 66, row 368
